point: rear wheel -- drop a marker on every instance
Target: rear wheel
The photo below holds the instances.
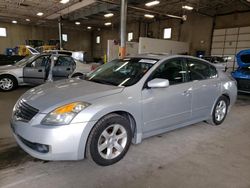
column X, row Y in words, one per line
column 7, row 83
column 220, row 111
column 109, row 140
column 77, row 75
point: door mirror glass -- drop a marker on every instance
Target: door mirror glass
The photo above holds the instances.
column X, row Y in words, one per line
column 158, row 83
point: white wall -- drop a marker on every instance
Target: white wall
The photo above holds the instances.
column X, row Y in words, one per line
column 150, row 45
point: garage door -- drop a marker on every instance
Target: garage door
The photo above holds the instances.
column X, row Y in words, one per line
column 228, row 42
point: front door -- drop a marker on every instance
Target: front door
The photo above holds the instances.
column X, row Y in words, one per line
column 166, row 107
column 64, row 66
column 35, row 72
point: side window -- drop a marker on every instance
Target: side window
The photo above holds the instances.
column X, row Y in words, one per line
column 64, row 61
column 200, row 70
column 175, row 70
column 39, row 62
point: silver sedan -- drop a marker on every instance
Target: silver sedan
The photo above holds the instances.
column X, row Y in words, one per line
column 120, row 102
column 34, row 70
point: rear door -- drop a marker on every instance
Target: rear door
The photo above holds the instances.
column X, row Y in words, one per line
column 206, row 87
column 64, row 66
column 35, row 71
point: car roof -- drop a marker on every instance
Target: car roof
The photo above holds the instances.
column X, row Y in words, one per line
column 57, row 55
column 157, row 56
column 160, row 56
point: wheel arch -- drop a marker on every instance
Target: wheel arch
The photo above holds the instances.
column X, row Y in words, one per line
column 223, row 94
column 125, row 114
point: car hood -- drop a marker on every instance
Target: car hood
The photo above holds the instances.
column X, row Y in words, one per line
column 8, row 67
column 52, row 95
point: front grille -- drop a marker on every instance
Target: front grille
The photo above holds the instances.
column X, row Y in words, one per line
column 24, row 112
column 243, row 84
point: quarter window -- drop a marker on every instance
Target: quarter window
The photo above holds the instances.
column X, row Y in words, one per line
column 174, row 70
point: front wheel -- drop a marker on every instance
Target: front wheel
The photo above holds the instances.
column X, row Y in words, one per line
column 220, row 111
column 109, row 140
column 7, row 83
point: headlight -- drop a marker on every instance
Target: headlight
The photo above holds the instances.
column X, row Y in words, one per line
column 64, row 114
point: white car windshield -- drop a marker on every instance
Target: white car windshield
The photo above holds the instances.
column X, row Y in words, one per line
column 121, row 72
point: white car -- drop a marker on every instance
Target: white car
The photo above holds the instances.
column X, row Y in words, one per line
column 35, row 70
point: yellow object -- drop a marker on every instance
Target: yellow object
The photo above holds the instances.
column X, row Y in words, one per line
column 105, row 58
column 66, row 108
column 23, row 50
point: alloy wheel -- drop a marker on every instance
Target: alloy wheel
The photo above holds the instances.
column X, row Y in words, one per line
column 221, row 110
column 6, row 84
column 112, row 141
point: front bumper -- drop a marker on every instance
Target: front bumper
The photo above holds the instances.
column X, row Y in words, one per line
column 62, row 142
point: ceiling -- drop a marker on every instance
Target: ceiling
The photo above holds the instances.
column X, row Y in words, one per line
column 90, row 12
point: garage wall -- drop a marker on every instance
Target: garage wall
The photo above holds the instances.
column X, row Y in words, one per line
column 17, row 34
column 231, row 34
column 113, row 33
column 197, row 31
column 229, row 41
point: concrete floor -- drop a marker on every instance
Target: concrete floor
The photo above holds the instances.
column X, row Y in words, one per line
column 196, row 156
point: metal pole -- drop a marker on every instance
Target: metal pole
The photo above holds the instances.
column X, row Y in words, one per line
column 52, row 64
column 60, row 33
column 122, row 49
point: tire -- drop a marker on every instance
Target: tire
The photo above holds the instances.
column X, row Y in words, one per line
column 8, row 83
column 109, row 140
column 77, row 75
column 220, row 111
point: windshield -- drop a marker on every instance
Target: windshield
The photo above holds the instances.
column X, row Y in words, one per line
column 25, row 60
column 121, row 72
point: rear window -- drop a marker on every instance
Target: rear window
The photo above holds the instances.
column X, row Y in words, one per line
column 245, row 58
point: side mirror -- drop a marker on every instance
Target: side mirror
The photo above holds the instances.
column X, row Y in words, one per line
column 158, row 83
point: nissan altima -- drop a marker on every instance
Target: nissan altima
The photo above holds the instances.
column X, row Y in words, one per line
column 121, row 102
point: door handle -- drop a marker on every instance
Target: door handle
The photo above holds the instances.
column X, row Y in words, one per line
column 68, row 69
column 40, row 70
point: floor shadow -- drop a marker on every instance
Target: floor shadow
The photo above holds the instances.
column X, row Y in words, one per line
column 15, row 156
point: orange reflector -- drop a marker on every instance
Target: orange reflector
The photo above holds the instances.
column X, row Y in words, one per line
column 66, row 108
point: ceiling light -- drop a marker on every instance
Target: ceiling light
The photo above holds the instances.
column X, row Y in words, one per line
column 64, row 1
column 152, row 3
column 39, row 14
column 89, row 27
column 149, row 16
column 14, row 21
column 187, row 7
column 108, row 15
column 27, row 20
column 108, row 23
column 77, row 23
